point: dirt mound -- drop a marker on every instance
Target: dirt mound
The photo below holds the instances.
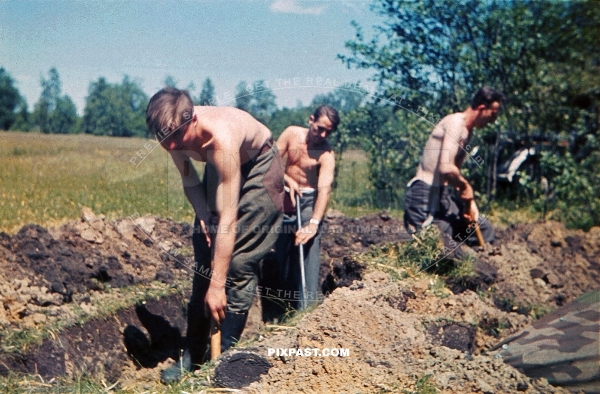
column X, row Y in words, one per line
column 43, row 270
column 542, row 265
column 400, row 334
column 343, row 235
column 390, row 349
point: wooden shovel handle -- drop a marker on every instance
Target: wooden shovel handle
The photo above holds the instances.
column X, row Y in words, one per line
column 215, row 341
column 478, row 234
column 477, row 231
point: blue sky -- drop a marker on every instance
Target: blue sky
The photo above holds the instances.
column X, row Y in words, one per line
column 291, row 44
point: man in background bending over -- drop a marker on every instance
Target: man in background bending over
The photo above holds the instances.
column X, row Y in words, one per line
column 238, row 206
column 309, row 172
column 439, row 193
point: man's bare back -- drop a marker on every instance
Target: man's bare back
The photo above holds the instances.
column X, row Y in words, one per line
column 226, row 138
column 446, row 145
column 230, row 130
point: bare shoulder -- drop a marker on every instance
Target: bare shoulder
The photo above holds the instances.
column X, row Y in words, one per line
column 223, row 115
column 295, row 130
column 327, row 149
column 451, row 128
column 232, row 128
column 292, row 133
column 455, row 121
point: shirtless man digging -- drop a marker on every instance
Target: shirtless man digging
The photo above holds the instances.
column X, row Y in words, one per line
column 238, row 206
column 309, row 173
column 429, row 198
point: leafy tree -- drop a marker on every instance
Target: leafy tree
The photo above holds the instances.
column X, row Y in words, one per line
column 9, row 100
column 22, row 117
column 388, row 135
column 207, row 94
column 432, row 55
column 98, row 105
column 170, row 81
column 51, row 89
column 54, row 113
column 115, row 109
column 63, row 119
column 135, row 101
column 285, row 117
column 263, row 103
column 257, row 99
column 242, row 96
column 344, row 98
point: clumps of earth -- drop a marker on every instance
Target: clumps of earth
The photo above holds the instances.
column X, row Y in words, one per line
column 401, row 334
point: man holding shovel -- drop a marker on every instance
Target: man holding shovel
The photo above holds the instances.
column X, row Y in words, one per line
column 238, row 206
column 439, row 193
column 309, row 173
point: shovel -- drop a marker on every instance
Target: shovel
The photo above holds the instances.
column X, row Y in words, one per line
column 215, row 340
column 477, row 231
column 301, row 251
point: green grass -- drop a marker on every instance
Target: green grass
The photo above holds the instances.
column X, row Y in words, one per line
column 354, row 195
column 423, row 254
column 423, row 385
column 46, row 179
column 15, row 383
column 511, row 213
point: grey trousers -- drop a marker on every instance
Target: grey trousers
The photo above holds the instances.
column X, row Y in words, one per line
column 260, row 212
column 446, row 212
column 259, row 219
column 288, row 256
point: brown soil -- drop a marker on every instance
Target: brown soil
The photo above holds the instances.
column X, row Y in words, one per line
column 397, row 331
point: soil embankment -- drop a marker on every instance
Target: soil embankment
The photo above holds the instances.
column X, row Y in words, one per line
column 397, row 331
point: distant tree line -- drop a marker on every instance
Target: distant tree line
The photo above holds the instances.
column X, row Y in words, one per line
column 118, row 109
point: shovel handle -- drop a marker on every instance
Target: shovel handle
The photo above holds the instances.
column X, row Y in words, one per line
column 215, row 340
column 477, row 231
column 478, row 234
column 301, row 253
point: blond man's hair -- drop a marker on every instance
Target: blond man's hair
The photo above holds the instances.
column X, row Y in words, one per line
column 168, row 110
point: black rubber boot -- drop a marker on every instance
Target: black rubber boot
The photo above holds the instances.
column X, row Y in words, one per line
column 174, row 373
column 197, row 340
column 231, row 329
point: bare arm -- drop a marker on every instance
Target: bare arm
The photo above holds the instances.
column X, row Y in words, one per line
column 450, row 163
column 449, row 170
column 227, row 199
column 283, row 144
column 193, row 189
column 326, row 174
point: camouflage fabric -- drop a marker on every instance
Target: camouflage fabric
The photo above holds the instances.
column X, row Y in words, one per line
column 563, row 346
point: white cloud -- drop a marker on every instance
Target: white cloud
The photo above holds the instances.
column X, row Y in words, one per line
column 292, row 7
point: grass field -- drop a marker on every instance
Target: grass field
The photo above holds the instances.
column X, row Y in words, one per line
column 47, row 179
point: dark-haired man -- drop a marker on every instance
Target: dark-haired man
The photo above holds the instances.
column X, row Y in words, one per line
column 238, row 206
column 439, row 193
column 309, row 172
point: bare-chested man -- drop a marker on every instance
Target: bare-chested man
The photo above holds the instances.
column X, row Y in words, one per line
column 238, row 207
column 309, row 173
column 428, row 198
